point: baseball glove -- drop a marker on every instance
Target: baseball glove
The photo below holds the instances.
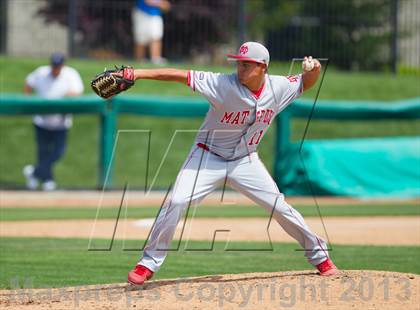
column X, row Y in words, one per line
column 111, row 82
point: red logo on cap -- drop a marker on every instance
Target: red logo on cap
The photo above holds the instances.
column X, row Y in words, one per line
column 243, row 50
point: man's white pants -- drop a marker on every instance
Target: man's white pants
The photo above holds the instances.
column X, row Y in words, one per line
column 202, row 173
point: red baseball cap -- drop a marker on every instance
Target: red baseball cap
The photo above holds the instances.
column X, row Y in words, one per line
column 251, row 51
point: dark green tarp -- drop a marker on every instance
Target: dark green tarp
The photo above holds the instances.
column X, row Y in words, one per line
column 365, row 168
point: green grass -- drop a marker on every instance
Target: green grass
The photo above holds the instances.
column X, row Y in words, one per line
column 28, row 214
column 64, row 262
column 337, row 84
column 78, row 168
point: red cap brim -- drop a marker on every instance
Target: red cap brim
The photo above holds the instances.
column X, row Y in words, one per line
column 242, row 58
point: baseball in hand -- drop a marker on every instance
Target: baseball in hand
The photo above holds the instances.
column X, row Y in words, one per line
column 308, row 64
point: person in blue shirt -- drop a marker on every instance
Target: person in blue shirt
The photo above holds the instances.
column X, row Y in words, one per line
column 148, row 29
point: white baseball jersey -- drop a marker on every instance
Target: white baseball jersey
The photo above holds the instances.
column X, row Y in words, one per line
column 48, row 87
column 238, row 119
column 233, row 128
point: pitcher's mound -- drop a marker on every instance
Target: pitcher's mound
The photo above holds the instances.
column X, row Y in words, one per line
column 355, row 289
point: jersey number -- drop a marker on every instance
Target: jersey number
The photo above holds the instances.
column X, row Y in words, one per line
column 256, row 138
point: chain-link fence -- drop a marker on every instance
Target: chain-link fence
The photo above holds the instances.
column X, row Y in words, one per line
column 354, row 34
column 103, row 29
column 408, row 30
column 365, row 34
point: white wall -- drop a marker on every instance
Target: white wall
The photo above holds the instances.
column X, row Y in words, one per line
column 409, row 28
column 28, row 34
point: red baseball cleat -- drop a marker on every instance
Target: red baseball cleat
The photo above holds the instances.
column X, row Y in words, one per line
column 327, row 268
column 139, row 275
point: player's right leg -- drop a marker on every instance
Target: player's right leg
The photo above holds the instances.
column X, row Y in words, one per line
column 201, row 173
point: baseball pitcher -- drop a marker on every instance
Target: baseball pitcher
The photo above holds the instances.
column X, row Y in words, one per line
column 242, row 107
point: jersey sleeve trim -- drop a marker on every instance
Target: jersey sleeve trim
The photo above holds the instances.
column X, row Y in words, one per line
column 298, row 78
column 300, row 84
column 191, row 79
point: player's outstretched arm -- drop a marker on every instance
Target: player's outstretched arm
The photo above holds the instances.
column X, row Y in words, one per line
column 311, row 71
column 162, row 74
column 112, row 82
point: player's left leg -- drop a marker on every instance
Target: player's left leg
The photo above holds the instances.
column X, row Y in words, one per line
column 250, row 177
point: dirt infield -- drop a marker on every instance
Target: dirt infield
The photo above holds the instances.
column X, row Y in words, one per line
column 94, row 199
column 286, row 290
column 282, row 290
column 341, row 230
